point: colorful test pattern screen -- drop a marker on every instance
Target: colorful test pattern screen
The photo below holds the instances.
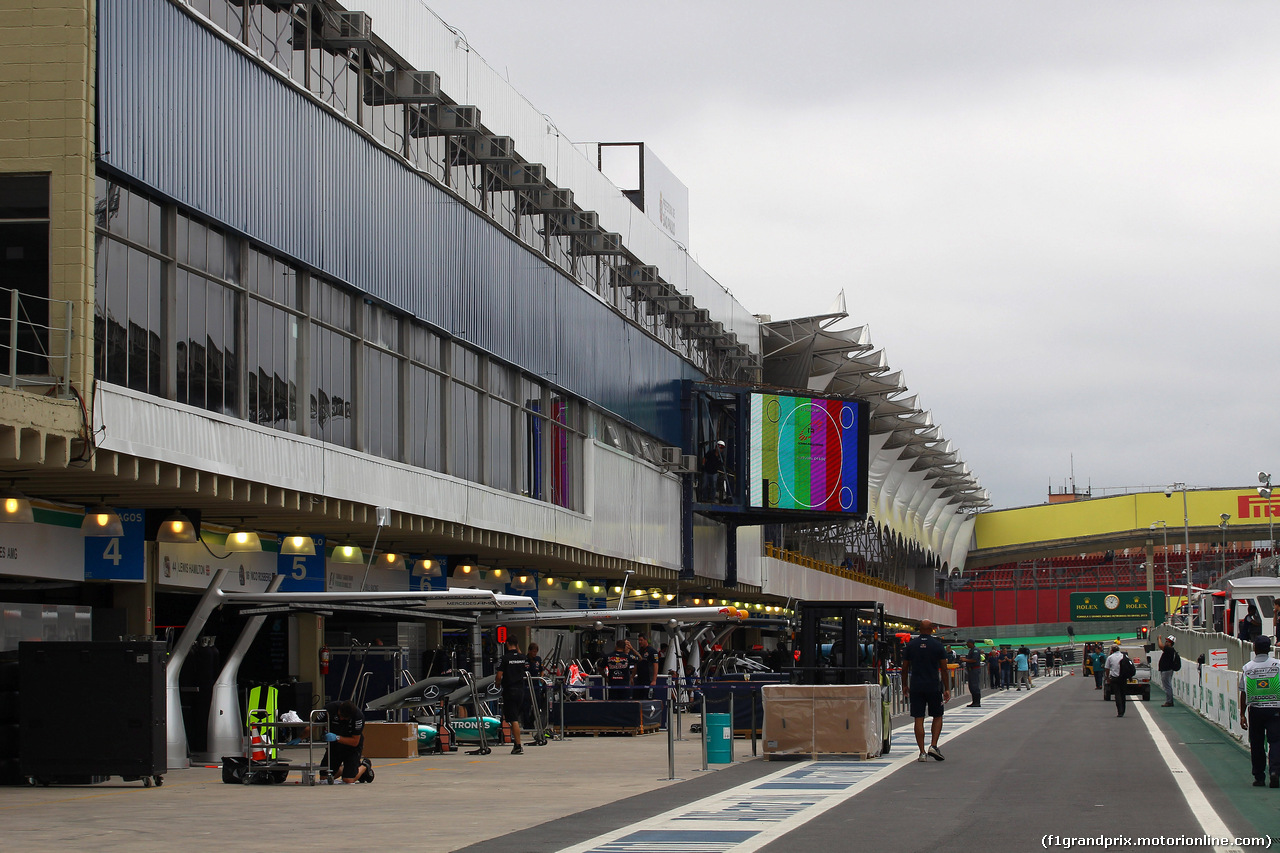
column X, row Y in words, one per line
column 807, row 454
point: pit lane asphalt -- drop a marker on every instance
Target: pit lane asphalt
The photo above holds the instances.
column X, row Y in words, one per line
column 1058, row 761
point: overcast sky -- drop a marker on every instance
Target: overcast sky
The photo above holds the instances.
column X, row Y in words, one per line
column 1061, row 220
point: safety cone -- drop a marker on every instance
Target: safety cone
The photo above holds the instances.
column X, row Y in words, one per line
column 255, row 740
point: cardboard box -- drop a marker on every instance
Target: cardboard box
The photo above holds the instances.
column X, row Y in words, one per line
column 390, row 740
column 822, row 720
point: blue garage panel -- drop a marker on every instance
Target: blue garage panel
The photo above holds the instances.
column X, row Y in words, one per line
column 188, row 115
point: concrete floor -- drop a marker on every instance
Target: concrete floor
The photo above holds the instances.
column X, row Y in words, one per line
column 435, row 803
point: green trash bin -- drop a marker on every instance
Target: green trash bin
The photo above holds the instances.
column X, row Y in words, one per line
column 719, row 735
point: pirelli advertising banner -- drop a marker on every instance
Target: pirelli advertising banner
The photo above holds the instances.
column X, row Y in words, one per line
column 1130, row 514
column 1129, row 605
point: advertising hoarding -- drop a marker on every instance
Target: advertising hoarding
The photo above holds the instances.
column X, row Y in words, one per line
column 1118, row 605
column 807, row 454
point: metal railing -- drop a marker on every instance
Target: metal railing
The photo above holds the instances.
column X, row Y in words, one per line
column 35, row 341
column 959, row 684
column 771, row 550
column 1192, row 643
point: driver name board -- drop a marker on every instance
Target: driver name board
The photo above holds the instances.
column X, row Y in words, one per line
column 1128, row 604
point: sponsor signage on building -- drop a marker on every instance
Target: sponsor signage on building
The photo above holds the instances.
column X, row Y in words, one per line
column 191, row 566
column 1118, row 605
column 50, row 549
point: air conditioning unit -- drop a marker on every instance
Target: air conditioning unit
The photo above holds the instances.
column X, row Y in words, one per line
column 557, row 200
column 639, row 274
column 579, row 221
column 671, row 455
column 689, row 462
column 524, row 175
column 455, row 118
column 600, row 244
column 490, row 149
column 347, row 29
column 401, row 87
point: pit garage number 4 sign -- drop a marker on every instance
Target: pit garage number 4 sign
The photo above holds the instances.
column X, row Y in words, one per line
column 117, row 558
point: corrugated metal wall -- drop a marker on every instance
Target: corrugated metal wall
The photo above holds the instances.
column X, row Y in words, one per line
column 417, row 33
column 186, row 114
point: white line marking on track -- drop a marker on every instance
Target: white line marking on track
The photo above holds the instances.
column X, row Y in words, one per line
column 740, row 838
column 1210, row 821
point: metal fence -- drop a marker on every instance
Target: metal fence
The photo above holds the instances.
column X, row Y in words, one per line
column 1192, row 643
column 35, row 341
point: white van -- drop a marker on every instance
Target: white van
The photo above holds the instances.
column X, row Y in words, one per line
column 1262, row 593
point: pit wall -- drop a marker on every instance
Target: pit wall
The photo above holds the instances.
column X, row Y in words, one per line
column 1211, row 693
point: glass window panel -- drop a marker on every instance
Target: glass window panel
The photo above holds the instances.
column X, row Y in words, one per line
column 382, row 404
column 216, row 253
column 464, row 433
column 271, row 362
column 466, row 365
column 498, row 445
column 425, row 441
column 331, row 404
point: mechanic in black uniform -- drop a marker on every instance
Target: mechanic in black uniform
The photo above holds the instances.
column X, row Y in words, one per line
column 924, row 681
column 619, row 672
column 539, row 693
column 346, row 743
column 647, row 663
column 510, row 679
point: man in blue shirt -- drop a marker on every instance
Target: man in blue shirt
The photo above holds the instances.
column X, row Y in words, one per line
column 924, row 681
column 1023, row 667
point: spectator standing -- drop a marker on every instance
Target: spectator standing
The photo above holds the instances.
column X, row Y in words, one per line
column 993, row 668
column 1099, row 663
column 1260, row 710
column 1170, row 662
column 1006, row 669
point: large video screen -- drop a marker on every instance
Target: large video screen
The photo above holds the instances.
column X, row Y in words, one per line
column 807, row 454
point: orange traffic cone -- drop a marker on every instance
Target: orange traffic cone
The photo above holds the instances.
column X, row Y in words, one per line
column 255, row 740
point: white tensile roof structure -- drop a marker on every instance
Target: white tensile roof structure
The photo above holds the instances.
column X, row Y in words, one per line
column 918, row 486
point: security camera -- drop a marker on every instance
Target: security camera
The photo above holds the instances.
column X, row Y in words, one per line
column 1168, row 493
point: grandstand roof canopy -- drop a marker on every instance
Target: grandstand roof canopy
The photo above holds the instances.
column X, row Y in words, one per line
column 918, row 485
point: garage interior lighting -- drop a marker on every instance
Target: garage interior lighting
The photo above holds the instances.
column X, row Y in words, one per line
column 297, row 546
column 348, row 554
column 242, row 541
column 177, row 528
column 101, row 520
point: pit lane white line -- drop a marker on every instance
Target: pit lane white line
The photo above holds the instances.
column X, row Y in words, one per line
column 1210, row 821
column 781, row 801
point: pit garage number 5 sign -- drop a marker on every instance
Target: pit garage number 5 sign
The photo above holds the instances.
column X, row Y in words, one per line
column 302, row 573
column 118, row 558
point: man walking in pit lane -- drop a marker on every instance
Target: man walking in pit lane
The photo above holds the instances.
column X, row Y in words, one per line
column 924, row 674
column 1116, row 677
column 510, row 678
column 973, row 669
column 1260, row 710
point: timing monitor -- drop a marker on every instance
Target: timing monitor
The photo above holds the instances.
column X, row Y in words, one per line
column 807, row 454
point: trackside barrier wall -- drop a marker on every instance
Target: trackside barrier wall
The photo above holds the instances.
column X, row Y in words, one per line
column 1212, row 693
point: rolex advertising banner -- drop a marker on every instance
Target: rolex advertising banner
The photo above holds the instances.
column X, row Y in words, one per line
column 1131, row 605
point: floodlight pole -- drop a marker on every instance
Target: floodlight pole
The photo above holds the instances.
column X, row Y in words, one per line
column 1186, row 535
